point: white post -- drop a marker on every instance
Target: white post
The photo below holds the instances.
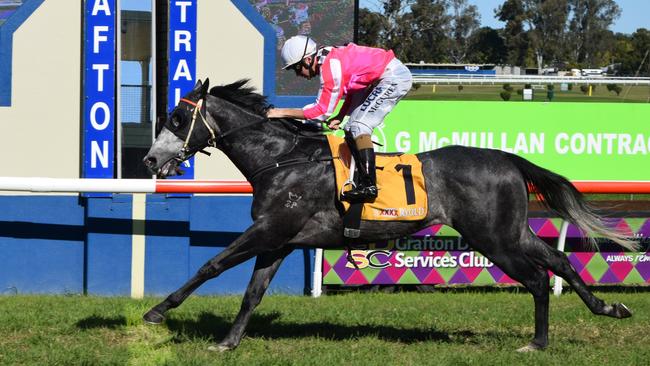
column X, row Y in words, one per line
column 317, row 285
column 561, row 240
column 138, row 238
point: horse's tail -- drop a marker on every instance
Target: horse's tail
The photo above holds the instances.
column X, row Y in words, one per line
column 560, row 196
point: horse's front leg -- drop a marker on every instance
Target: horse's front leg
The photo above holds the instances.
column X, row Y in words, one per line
column 266, row 266
column 251, row 243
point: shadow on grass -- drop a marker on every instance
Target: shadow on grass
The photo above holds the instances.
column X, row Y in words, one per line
column 263, row 326
column 101, row 322
column 215, row 328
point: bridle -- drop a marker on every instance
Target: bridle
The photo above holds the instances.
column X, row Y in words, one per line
column 186, row 152
column 197, row 111
column 216, row 138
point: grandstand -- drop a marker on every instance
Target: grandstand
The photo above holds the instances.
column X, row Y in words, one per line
column 451, row 69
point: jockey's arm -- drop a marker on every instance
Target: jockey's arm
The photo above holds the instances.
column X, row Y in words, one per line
column 296, row 113
column 335, row 121
column 345, row 109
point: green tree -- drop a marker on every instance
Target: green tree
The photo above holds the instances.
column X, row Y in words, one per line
column 546, row 20
column 512, row 13
column 589, row 36
column 631, row 53
column 638, row 63
column 465, row 20
column 487, row 47
column 371, row 26
column 427, row 25
column 388, row 25
column 393, row 13
column 621, row 51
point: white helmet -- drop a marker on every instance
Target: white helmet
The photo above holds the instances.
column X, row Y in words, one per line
column 295, row 49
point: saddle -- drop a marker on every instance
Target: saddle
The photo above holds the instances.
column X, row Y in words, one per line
column 402, row 192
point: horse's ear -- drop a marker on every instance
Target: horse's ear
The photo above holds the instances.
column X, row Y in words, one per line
column 205, row 87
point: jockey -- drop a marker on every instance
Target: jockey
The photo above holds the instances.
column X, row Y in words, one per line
column 372, row 81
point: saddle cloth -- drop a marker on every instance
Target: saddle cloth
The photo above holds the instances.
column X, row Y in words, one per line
column 402, row 192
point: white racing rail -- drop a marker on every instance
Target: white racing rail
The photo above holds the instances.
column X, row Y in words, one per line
column 527, row 79
column 33, row 184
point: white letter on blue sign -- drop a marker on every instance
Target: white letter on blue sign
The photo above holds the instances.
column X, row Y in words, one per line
column 183, row 5
column 102, row 153
column 182, row 70
column 97, row 38
column 93, row 116
column 184, row 37
column 177, row 95
column 100, row 75
column 103, row 6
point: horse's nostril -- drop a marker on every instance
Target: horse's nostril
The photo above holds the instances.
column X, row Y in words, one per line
column 149, row 161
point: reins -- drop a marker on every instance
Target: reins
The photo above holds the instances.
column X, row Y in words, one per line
column 285, row 163
column 290, row 162
column 217, row 138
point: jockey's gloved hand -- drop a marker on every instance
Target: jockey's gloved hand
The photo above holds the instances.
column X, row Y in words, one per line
column 312, row 125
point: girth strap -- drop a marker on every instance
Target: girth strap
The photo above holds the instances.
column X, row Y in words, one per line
column 351, row 225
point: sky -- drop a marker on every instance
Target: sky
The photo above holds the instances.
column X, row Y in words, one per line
column 634, row 13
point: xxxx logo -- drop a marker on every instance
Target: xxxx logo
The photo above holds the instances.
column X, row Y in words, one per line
column 387, row 212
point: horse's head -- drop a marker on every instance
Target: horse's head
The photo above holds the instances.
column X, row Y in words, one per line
column 185, row 131
column 230, row 117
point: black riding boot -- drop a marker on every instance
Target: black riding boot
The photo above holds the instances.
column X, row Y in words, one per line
column 366, row 189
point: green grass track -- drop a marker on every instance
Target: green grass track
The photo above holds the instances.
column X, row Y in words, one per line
column 453, row 328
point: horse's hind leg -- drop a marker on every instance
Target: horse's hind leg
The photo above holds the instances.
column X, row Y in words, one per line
column 251, row 243
column 558, row 263
column 266, row 266
column 536, row 280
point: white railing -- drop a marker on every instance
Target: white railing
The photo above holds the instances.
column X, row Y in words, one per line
column 527, row 79
column 34, row 184
column 89, row 185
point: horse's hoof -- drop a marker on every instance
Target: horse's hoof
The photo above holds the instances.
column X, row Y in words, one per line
column 153, row 317
column 530, row 347
column 220, row 348
column 622, row 311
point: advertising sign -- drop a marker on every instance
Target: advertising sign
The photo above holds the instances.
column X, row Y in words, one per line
column 438, row 255
column 582, row 141
column 182, row 60
column 99, row 90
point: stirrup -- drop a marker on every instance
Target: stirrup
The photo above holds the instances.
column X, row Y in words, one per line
column 361, row 193
column 350, row 181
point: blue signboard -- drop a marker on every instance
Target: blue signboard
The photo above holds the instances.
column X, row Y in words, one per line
column 182, row 59
column 99, row 90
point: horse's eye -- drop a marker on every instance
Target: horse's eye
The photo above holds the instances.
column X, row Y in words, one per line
column 176, row 120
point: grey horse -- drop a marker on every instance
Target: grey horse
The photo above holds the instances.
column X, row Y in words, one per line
column 482, row 193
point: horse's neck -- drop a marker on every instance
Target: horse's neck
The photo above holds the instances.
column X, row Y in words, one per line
column 261, row 146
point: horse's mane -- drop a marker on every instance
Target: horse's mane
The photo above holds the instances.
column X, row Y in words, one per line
column 243, row 95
